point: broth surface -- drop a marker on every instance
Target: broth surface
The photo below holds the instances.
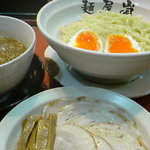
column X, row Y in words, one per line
column 10, row 49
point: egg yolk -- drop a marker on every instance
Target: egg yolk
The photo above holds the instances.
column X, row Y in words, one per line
column 87, row 40
column 120, row 44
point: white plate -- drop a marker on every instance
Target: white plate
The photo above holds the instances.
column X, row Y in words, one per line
column 10, row 126
column 67, row 76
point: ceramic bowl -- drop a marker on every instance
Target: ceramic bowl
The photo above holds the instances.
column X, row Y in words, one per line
column 12, row 72
column 100, row 67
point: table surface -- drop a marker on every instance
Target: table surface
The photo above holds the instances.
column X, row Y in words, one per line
column 48, row 82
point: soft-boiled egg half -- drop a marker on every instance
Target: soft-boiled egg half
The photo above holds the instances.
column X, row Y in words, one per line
column 86, row 39
column 115, row 43
column 119, row 43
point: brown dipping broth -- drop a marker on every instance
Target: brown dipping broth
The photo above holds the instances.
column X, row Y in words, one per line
column 10, row 49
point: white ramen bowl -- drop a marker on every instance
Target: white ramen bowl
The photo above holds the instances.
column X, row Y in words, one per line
column 101, row 67
column 13, row 72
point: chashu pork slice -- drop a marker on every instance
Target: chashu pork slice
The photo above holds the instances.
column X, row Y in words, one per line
column 72, row 137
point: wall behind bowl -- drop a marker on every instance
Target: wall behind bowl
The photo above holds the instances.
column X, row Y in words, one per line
column 22, row 9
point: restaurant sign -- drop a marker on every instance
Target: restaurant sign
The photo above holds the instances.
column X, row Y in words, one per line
column 127, row 7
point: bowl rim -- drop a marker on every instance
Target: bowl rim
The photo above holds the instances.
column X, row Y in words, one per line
column 31, row 45
column 65, row 45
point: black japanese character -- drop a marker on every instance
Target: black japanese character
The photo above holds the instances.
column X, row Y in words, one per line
column 129, row 7
column 88, row 7
column 108, row 5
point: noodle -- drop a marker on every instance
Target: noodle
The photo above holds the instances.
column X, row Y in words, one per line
column 105, row 22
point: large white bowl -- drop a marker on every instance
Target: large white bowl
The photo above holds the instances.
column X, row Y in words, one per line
column 102, row 67
column 12, row 72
